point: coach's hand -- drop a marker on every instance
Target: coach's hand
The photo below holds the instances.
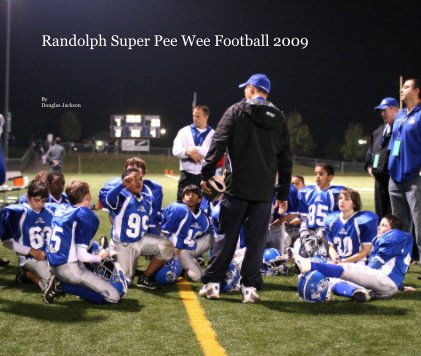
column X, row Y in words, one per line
column 282, row 206
column 103, row 254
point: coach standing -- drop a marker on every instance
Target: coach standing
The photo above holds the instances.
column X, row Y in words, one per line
column 191, row 145
column 255, row 136
column 378, row 156
column 405, row 160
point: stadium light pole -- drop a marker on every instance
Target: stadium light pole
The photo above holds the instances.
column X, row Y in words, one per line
column 6, row 81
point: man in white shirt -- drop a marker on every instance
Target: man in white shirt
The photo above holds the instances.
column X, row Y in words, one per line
column 191, row 145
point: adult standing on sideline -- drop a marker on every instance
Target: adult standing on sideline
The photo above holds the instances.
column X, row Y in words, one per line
column 405, row 160
column 254, row 133
column 191, row 145
column 55, row 156
column 377, row 156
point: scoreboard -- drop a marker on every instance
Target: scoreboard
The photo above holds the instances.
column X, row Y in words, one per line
column 135, row 126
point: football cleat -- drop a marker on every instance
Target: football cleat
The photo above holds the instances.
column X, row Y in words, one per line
column 210, row 290
column 249, row 294
column 147, row 282
column 53, row 291
column 362, row 295
column 20, row 277
column 302, row 265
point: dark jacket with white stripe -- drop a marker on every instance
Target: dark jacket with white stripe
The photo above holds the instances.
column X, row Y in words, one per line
column 254, row 133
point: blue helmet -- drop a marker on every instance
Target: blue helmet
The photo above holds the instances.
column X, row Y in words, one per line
column 273, row 263
column 313, row 287
column 232, row 279
column 112, row 273
column 169, row 272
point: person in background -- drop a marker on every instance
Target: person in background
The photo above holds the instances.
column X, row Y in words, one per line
column 405, row 160
column 377, row 156
column 191, row 145
column 55, row 156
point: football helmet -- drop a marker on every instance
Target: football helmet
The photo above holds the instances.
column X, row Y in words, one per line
column 273, row 263
column 232, row 279
column 313, row 287
column 169, row 272
column 112, row 273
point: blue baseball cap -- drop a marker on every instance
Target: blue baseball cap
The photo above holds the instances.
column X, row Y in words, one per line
column 387, row 103
column 258, row 80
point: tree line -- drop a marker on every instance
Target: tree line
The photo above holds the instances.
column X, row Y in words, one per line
column 352, row 148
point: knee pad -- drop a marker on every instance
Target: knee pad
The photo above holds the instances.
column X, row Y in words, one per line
column 112, row 296
column 166, row 250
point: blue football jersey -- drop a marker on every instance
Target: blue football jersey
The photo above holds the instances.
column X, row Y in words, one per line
column 152, row 189
column 184, row 226
column 134, row 216
column 26, row 226
column 405, row 145
column 215, row 211
column 316, row 204
column 71, row 226
column 347, row 236
column 391, row 254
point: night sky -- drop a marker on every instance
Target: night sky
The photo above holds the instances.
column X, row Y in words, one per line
column 356, row 52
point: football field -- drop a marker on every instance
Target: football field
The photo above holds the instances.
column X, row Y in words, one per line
column 173, row 321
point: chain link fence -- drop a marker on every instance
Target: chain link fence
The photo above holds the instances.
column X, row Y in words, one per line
column 75, row 148
column 19, row 164
column 340, row 166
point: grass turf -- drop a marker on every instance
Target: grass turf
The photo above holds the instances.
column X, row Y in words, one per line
column 155, row 323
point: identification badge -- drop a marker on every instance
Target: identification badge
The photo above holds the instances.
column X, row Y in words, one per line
column 396, row 147
column 376, row 161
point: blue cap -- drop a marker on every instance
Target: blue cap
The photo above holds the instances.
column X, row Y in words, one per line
column 258, row 80
column 387, row 103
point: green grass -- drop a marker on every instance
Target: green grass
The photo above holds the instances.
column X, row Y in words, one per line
column 155, row 323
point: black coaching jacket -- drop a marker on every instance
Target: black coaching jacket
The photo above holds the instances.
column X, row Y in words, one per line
column 379, row 144
column 254, row 134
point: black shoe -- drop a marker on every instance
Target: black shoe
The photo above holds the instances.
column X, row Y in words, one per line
column 362, row 295
column 21, row 277
column 53, row 291
column 103, row 242
column 147, row 282
column 4, row 262
column 419, row 277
